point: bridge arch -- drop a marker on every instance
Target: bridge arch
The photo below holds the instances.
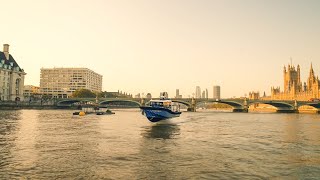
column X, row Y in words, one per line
column 233, row 104
column 309, row 107
column 277, row 105
column 315, row 105
column 70, row 102
column 182, row 102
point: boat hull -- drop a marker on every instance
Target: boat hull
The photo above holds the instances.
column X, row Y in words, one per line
column 155, row 114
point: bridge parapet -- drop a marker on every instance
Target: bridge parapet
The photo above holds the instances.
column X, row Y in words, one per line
column 239, row 105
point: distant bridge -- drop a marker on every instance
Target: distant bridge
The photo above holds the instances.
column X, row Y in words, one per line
column 238, row 105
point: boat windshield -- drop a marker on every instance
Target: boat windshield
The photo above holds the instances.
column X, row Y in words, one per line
column 156, row 104
column 166, row 104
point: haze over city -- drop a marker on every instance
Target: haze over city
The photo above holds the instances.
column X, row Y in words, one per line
column 153, row 46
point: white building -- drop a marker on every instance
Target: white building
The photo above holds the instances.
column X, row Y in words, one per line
column 178, row 94
column 11, row 77
column 216, row 92
column 207, row 94
column 62, row 82
column 198, row 92
column 203, row 94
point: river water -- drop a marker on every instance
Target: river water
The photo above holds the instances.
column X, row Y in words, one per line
column 53, row 144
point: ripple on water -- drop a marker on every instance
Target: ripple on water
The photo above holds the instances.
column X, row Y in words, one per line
column 53, row 144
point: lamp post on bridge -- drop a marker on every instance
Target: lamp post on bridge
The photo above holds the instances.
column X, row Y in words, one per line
column 97, row 100
column 295, row 106
column 245, row 105
column 193, row 105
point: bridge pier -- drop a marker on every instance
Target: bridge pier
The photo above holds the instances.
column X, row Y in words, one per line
column 245, row 110
column 287, row 111
column 192, row 108
column 142, row 102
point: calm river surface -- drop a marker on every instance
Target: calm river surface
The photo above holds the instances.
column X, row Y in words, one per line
column 53, row 144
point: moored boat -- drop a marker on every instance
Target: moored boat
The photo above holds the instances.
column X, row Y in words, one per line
column 160, row 110
column 92, row 109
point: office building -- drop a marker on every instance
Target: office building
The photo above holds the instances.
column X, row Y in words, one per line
column 198, row 92
column 207, row 94
column 178, row 94
column 203, row 95
column 62, row 82
column 216, row 92
column 31, row 91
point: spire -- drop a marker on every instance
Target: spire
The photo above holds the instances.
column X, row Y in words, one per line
column 311, row 71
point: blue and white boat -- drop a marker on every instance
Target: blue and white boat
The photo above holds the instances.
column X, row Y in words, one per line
column 160, row 110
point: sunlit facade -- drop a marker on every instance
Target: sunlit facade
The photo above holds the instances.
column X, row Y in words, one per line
column 294, row 89
column 216, row 92
column 31, row 91
column 198, row 92
column 62, row 82
column 11, row 77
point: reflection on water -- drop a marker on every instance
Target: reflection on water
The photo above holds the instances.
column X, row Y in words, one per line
column 161, row 131
column 10, row 115
column 157, row 151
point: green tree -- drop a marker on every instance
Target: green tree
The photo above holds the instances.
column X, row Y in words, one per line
column 83, row 93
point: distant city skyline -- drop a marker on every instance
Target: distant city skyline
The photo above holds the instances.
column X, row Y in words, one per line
column 239, row 45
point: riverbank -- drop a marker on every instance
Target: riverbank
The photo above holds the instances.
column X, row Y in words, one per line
column 23, row 106
column 18, row 106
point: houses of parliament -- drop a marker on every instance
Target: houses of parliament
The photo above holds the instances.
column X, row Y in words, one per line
column 294, row 89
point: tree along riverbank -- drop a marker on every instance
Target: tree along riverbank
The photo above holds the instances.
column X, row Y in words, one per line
column 11, row 105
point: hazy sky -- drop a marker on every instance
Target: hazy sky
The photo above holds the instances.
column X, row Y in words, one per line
column 160, row 45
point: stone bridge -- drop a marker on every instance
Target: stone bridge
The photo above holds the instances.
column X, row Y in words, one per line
column 238, row 105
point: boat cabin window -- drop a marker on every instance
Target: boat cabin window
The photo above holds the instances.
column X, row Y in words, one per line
column 156, row 104
column 161, row 104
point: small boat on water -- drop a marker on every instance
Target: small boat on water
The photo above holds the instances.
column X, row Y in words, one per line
column 104, row 112
column 160, row 110
column 90, row 109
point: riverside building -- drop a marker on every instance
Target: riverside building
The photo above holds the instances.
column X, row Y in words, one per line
column 294, row 89
column 11, row 77
column 62, row 82
column 31, row 91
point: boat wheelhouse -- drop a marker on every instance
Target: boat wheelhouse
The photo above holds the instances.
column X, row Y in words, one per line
column 162, row 109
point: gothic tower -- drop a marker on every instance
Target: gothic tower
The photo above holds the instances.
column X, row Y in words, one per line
column 311, row 79
column 292, row 81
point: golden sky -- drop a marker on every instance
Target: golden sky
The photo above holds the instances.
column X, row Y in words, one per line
column 142, row 46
